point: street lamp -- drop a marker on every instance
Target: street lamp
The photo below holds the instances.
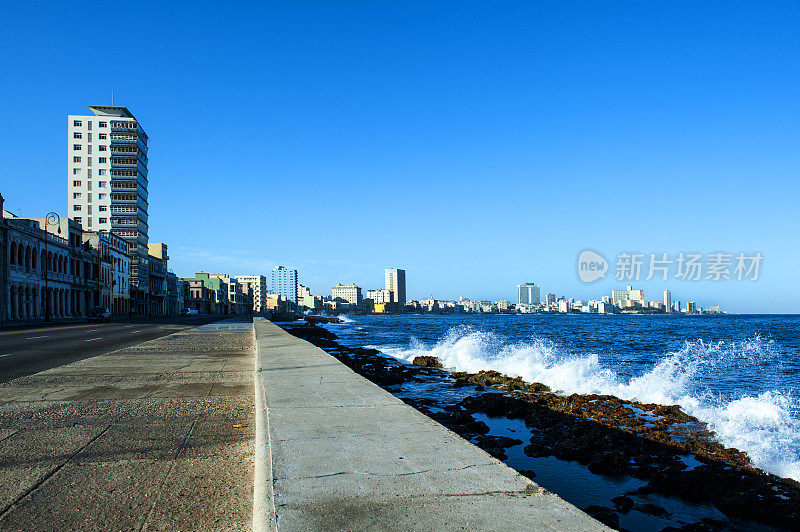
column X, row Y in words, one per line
column 51, row 219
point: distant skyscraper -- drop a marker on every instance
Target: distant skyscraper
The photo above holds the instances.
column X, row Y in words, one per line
column 284, row 282
column 107, row 182
column 396, row 284
column 527, row 294
column 668, row 300
column 551, row 299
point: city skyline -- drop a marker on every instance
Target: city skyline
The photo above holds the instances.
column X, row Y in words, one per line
column 698, row 141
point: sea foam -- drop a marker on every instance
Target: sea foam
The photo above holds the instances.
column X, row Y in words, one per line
column 766, row 426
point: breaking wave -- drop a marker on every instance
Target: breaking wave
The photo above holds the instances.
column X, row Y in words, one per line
column 766, row 426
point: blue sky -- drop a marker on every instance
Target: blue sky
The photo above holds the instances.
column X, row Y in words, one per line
column 476, row 144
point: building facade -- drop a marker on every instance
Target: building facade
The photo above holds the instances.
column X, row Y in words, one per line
column 527, row 294
column 284, row 283
column 395, row 282
column 350, row 293
column 380, row 296
column 258, row 285
column 107, row 183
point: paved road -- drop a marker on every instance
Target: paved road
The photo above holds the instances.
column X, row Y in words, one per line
column 28, row 351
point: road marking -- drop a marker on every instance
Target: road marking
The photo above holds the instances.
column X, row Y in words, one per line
column 134, row 332
column 4, row 333
column 92, row 339
column 92, row 330
column 1, row 356
column 35, row 337
column 128, row 326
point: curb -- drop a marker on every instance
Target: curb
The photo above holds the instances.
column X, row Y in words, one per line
column 264, row 515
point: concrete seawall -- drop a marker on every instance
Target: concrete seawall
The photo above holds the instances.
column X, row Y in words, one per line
column 339, row 452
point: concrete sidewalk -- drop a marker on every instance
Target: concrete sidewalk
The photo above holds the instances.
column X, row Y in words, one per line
column 156, row 436
column 340, row 453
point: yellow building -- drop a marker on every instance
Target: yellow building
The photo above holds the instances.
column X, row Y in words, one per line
column 379, row 308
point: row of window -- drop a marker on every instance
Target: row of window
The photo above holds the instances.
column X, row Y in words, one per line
column 101, row 171
column 79, row 123
column 79, row 135
column 77, row 147
column 100, row 184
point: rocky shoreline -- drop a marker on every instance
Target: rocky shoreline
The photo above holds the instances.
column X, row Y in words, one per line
column 672, row 452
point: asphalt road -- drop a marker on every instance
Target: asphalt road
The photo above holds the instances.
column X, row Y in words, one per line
column 28, row 351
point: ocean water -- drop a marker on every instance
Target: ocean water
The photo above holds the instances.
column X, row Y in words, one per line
column 740, row 374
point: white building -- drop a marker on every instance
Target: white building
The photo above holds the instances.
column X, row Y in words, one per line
column 107, row 183
column 381, row 295
column 347, row 292
column 395, row 282
column 668, row 300
column 527, row 294
column 636, row 296
column 258, row 284
column 284, row 282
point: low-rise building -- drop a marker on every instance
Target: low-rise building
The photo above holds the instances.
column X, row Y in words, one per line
column 381, row 295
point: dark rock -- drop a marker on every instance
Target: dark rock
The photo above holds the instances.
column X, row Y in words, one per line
column 607, row 516
column 610, row 463
column 623, row 504
column 528, row 473
column 651, row 509
column 427, row 362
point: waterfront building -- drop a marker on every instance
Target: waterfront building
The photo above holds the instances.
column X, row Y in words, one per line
column 284, row 282
column 668, row 300
column 395, row 282
column 380, row 296
column 550, row 299
column 691, row 307
column 114, row 273
column 217, row 293
column 564, row 306
column 157, row 259
column 258, row 284
column 107, row 184
column 636, row 296
column 307, row 300
column 527, row 294
column 504, row 305
column 4, row 251
column 235, row 294
column 350, row 293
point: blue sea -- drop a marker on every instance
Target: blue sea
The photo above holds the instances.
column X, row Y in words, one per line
column 740, row 374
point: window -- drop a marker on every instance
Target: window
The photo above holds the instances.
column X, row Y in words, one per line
column 76, row 183
column 76, row 195
column 103, row 220
column 101, row 148
column 101, row 171
column 77, row 123
column 76, row 147
column 102, row 124
column 76, row 207
column 101, row 196
column 76, row 171
column 77, row 135
column 79, row 219
column 101, row 184
column 102, row 208
column 76, row 159
column 89, row 147
column 101, row 160
column 102, row 136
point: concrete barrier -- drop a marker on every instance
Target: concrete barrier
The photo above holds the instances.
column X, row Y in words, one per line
column 345, row 454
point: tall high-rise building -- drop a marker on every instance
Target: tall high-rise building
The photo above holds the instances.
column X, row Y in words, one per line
column 107, row 183
column 668, row 300
column 396, row 284
column 527, row 294
column 284, row 282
